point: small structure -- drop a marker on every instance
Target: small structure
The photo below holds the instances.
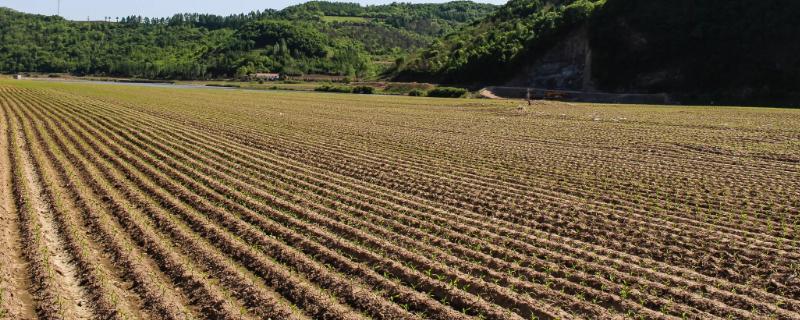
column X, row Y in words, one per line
column 17, row 77
column 316, row 78
column 266, row 76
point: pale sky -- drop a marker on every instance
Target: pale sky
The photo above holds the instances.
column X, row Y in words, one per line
column 97, row 9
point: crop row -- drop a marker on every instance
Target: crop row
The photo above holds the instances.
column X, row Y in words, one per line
column 210, row 216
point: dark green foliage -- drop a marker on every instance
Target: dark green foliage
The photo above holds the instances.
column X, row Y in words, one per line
column 424, row 19
column 51, row 44
column 739, row 49
column 723, row 51
column 378, row 38
column 494, row 48
column 346, row 89
column 285, row 37
column 447, row 92
column 416, row 93
column 406, row 88
column 294, row 41
column 332, row 88
column 207, row 21
column 363, row 90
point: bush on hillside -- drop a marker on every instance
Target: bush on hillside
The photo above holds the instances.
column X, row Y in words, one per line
column 346, row 89
column 330, row 88
column 406, row 87
column 363, row 90
column 447, row 92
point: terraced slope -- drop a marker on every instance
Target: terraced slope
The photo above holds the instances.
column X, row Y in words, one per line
column 128, row 202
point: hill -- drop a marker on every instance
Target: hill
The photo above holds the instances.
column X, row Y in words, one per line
column 717, row 50
column 315, row 37
column 494, row 48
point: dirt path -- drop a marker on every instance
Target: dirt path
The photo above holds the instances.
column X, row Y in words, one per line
column 76, row 305
column 486, row 93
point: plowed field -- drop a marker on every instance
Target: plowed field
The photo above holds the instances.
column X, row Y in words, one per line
column 154, row 203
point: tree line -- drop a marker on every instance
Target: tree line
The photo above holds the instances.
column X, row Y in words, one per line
column 297, row 40
column 720, row 51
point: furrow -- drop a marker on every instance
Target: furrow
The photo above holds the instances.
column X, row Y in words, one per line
column 91, row 271
column 173, row 227
column 15, row 296
column 55, row 289
column 147, row 282
column 212, row 302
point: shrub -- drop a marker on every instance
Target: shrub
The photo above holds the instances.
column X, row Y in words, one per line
column 447, row 92
column 364, row 90
column 223, row 85
column 406, row 87
column 330, row 88
column 417, row 93
column 346, row 89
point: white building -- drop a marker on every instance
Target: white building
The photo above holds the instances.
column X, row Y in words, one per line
column 266, row 76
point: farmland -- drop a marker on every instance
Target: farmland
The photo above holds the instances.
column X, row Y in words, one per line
column 155, row 203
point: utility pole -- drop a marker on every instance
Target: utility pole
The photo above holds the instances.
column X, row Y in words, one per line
column 59, row 8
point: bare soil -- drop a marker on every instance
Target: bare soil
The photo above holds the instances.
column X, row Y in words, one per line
column 15, row 299
column 76, row 304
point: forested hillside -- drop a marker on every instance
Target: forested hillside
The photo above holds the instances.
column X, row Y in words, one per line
column 715, row 50
column 723, row 50
column 315, row 37
column 493, row 49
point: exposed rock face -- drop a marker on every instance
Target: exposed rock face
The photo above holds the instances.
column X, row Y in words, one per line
column 566, row 66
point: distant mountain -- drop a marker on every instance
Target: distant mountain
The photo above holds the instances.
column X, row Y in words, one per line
column 713, row 50
column 314, row 37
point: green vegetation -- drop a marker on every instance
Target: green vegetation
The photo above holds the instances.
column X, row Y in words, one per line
column 313, row 38
column 223, row 85
column 494, row 48
column 346, row 89
column 723, row 51
column 363, row 90
column 345, row 19
column 333, row 88
column 424, row 19
column 403, row 88
column 447, row 92
column 728, row 51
